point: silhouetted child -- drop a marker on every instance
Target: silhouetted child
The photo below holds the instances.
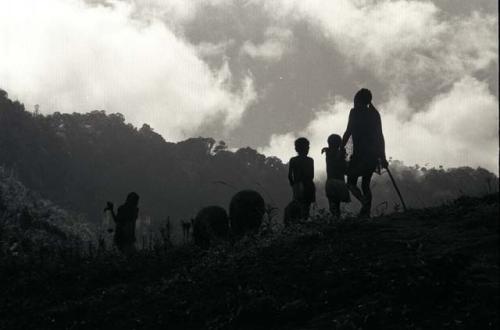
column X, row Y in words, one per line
column 125, row 220
column 301, row 175
column 335, row 187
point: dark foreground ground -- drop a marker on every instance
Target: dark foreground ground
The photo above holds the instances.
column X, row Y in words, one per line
column 425, row 269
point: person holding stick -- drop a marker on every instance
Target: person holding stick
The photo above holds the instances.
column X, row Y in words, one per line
column 365, row 127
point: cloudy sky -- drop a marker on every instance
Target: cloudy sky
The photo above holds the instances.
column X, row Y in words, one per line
column 260, row 73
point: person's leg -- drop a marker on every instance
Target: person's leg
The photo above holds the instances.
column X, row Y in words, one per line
column 367, row 193
column 352, row 181
column 305, row 210
column 335, row 208
column 129, row 249
column 331, row 205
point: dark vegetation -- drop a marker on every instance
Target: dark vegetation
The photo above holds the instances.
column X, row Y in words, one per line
column 30, row 225
column 433, row 268
column 80, row 161
column 210, row 226
column 246, row 210
column 428, row 268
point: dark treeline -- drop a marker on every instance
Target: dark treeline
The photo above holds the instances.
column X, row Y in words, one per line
column 426, row 187
column 80, row 161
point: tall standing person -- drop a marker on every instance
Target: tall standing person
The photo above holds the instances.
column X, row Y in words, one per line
column 365, row 127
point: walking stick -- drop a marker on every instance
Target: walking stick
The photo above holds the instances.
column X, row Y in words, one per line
column 396, row 187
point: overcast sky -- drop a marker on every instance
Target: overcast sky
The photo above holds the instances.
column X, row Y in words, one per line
column 260, row 73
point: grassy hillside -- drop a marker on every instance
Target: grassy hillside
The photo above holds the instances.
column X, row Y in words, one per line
column 433, row 268
column 30, row 224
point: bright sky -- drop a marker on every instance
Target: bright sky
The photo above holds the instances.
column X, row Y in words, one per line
column 261, row 73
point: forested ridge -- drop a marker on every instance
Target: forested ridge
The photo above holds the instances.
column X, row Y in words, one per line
column 81, row 160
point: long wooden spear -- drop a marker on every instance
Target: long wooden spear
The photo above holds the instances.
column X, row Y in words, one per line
column 396, row 187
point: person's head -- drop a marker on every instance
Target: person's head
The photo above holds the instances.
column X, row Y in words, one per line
column 302, row 146
column 334, row 141
column 362, row 98
column 132, row 199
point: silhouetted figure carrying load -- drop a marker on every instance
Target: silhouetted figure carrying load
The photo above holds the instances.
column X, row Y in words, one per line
column 336, row 166
column 368, row 156
column 125, row 219
column 246, row 211
column 301, row 175
column 210, row 226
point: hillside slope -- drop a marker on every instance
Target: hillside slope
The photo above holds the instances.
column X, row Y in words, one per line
column 30, row 224
column 433, row 268
column 82, row 160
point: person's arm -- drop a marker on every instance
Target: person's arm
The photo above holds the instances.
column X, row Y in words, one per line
column 290, row 171
column 110, row 207
column 348, row 131
column 312, row 169
column 381, row 140
column 343, row 160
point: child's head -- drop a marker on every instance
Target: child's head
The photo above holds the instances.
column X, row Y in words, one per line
column 302, row 146
column 334, row 141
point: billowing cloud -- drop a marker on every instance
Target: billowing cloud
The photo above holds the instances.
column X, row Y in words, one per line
column 69, row 56
column 175, row 13
column 456, row 128
column 408, row 44
column 433, row 70
column 417, row 53
column 277, row 42
column 209, row 49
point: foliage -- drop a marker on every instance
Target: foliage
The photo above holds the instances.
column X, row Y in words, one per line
column 31, row 225
column 434, row 268
column 80, row 161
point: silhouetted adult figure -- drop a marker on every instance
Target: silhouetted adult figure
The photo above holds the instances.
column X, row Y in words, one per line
column 365, row 127
column 125, row 220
